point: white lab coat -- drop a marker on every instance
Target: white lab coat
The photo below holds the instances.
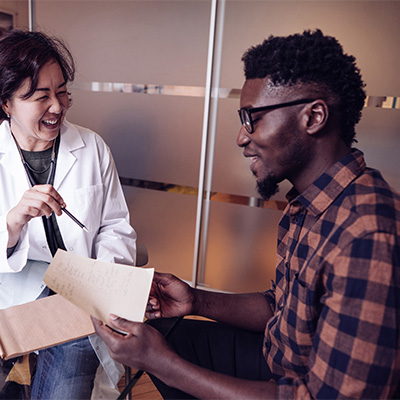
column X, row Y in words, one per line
column 87, row 180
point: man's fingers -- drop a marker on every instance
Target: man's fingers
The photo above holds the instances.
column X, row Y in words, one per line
column 101, row 329
column 153, row 314
column 96, row 322
column 123, row 324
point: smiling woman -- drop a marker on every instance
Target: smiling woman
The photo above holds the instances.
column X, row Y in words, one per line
column 45, row 164
column 36, row 121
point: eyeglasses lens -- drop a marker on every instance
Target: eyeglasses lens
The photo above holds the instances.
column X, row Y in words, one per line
column 246, row 120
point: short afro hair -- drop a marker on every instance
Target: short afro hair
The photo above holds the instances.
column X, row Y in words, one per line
column 311, row 58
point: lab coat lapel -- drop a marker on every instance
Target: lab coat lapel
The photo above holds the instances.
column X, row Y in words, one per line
column 70, row 141
column 10, row 158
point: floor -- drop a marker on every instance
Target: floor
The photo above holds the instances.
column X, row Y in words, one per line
column 143, row 389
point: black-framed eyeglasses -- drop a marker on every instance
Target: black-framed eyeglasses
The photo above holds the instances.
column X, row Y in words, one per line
column 245, row 113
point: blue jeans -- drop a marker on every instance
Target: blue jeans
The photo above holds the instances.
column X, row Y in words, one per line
column 65, row 372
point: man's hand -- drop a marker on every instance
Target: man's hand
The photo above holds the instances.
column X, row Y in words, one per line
column 142, row 346
column 169, row 297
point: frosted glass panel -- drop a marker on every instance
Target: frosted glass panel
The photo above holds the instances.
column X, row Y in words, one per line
column 152, row 137
column 132, row 41
column 165, row 224
column 241, row 250
column 366, row 29
column 378, row 136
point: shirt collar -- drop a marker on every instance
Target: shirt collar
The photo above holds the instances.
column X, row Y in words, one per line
column 323, row 192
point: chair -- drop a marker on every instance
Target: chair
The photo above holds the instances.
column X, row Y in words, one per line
column 142, row 257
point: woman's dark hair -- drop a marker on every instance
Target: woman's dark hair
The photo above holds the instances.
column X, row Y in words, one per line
column 311, row 58
column 22, row 55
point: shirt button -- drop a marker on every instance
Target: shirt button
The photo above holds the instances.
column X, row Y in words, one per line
column 71, row 249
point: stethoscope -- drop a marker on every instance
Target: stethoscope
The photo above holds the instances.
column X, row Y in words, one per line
column 28, row 168
column 50, row 177
column 47, row 224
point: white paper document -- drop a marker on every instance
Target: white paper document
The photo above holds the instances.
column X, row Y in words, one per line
column 100, row 288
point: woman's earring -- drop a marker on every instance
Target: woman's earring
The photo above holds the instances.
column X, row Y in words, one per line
column 8, row 116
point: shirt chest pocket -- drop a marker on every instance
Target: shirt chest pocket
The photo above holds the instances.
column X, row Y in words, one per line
column 89, row 203
column 303, row 299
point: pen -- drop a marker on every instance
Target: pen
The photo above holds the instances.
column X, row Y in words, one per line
column 74, row 219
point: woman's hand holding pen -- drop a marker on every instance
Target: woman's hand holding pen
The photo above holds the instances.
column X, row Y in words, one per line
column 38, row 201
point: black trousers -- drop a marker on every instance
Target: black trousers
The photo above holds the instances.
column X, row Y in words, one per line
column 217, row 347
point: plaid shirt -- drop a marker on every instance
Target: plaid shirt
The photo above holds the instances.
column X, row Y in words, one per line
column 336, row 300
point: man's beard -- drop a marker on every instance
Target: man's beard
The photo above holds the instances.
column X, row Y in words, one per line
column 267, row 187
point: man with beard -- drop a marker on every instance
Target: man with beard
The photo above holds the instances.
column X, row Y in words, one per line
column 328, row 327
